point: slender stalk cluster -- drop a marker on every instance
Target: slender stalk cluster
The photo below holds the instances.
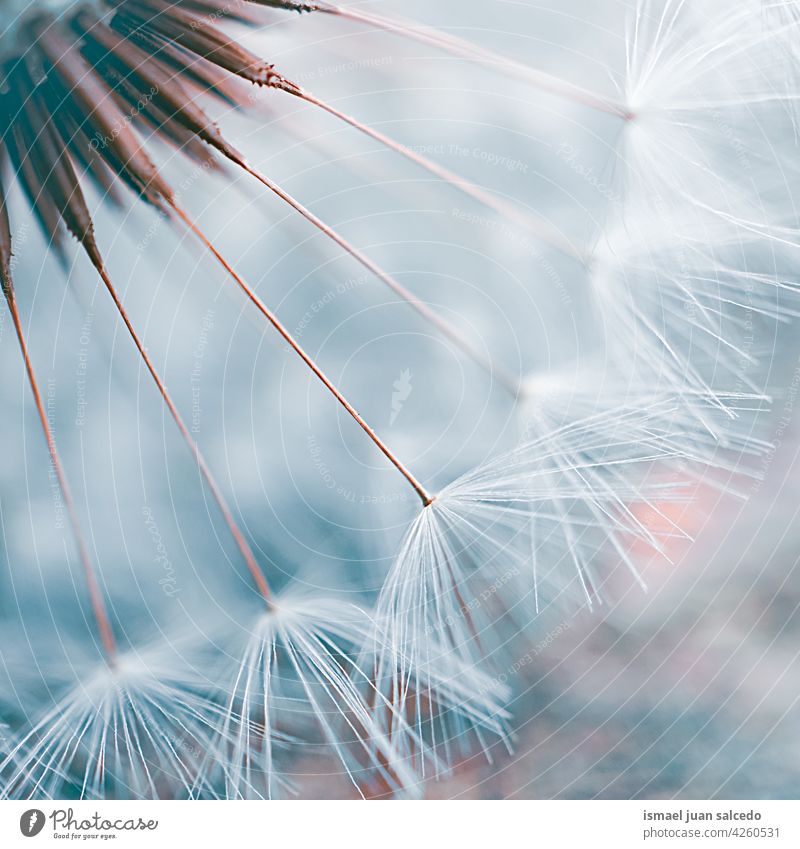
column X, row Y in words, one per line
column 692, row 265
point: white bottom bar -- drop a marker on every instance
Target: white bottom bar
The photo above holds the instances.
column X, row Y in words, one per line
column 404, row 825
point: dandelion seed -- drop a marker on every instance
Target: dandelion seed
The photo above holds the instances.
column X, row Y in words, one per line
column 471, row 561
column 141, row 728
column 697, row 79
column 297, row 671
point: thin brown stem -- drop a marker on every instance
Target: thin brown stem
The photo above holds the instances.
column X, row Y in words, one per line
column 241, row 543
column 93, row 586
column 473, row 53
column 506, row 380
column 424, row 496
column 541, row 229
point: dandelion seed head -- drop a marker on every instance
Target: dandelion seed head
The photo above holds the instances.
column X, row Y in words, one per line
column 296, row 676
column 699, row 78
column 142, row 728
column 527, row 528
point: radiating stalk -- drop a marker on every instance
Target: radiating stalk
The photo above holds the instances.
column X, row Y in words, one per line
column 420, row 490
